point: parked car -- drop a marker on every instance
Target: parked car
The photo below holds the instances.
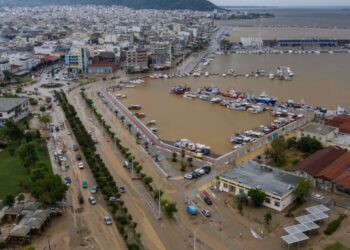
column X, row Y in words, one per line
column 67, row 181
column 92, row 200
column 66, row 165
column 81, row 165
column 126, row 165
column 207, row 200
column 192, row 210
column 75, row 147
column 188, row 176
column 113, row 199
column 206, row 169
column 94, row 189
column 122, row 189
column 108, row 220
column 206, row 212
column 78, row 157
column 85, row 184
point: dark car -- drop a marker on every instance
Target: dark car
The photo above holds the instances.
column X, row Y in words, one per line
column 78, row 157
column 207, row 200
column 206, row 169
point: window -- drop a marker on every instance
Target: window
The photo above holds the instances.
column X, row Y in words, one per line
column 241, row 191
column 277, row 203
column 267, row 200
column 225, row 185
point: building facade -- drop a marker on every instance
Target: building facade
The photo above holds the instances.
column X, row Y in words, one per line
column 136, row 59
column 278, row 185
column 77, row 60
column 13, row 108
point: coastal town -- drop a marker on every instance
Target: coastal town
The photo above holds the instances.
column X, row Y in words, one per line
column 167, row 128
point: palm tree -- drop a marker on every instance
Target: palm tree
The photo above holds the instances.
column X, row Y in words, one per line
column 268, row 217
column 129, row 126
column 138, row 134
column 122, row 118
column 174, row 155
column 183, row 154
column 190, row 160
column 146, row 145
column 116, row 112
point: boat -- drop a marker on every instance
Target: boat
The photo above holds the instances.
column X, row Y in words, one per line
column 224, row 75
column 151, row 122
column 215, row 100
column 272, row 76
column 189, row 95
column 204, row 97
column 154, row 130
column 265, row 99
column 206, row 73
column 134, row 107
column 180, row 89
column 120, row 96
column 196, row 74
column 140, row 115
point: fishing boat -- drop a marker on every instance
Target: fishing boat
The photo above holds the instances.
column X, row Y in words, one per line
column 272, row 76
column 206, row 73
column 151, row 122
column 154, row 130
column 265, row 99
column 120, row 96
column 134, row 107
column 140, row 115
column 180, row 89
column 189, row 95
column 204, row 97
column 215, row 100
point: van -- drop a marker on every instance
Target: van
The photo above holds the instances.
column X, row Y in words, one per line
column 92, row 200
column 126, row 165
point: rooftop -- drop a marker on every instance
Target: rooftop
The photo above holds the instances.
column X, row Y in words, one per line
column 268, row 179
column 320, row 160
column 7, row 104
column 317, row 128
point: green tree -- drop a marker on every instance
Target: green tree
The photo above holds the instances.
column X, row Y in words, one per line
column 38, row 171
column 169, row 208
column 42, row 108
column 292, row 143
column 256, row 196
column 49, row 189
column 44, row 119
column 27, row 154
column 309, row 145
column 277, row 151
column 303, row 189
column 7, row 75
column 12, row 131
column 30, row 247
column 174, row 155
column 183, row 154
column 129, row 126
column 267, row 218
column 158, row 194
column 148, row 180
column 189, row 161
column 9, row 200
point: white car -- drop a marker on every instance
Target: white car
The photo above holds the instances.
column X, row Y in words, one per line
column 108, row 220
column 188, row 176
column 81, row 165
column 92, row 200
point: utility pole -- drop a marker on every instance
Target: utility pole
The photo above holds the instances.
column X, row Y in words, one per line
column 159, row 201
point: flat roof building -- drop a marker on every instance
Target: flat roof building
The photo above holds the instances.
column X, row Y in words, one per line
column 277, row 184
column 323, row 133
column 13, row 108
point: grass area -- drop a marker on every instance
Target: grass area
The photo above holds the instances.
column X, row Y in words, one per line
column 336, row 246
column 12, row 172
column 293, row 156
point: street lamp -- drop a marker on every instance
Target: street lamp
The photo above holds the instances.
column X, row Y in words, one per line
column 194, row 236
column 159, row 200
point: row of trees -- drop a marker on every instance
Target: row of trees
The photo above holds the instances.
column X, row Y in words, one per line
column 168, row 206
column 104, row 179
column 183, row 155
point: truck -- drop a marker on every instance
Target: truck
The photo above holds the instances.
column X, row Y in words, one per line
column 192, row 210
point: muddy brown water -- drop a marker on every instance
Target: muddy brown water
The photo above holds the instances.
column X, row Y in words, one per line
column 319, row 80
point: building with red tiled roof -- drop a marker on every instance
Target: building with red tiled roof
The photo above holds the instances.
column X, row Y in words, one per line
column 328, row 169
column 342, row 122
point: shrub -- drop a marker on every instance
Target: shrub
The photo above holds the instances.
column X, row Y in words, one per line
column 333, row 226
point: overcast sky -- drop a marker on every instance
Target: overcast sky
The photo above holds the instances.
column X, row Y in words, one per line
column 281, row 2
